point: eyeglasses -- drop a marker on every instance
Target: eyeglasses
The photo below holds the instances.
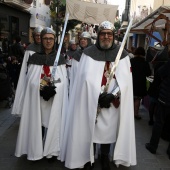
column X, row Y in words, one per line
column 84, row 39
column 48, row 39
column 109, row 34
column 37, row 35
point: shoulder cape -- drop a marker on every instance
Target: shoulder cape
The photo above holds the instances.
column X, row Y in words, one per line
column 43, row 59
column 77, row 55
column 104, row 55
column 70, row 53
column 34, row 47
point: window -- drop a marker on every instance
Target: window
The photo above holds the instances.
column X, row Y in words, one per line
column 34, row 3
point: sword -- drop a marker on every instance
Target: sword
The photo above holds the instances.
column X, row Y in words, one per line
column 59, row 49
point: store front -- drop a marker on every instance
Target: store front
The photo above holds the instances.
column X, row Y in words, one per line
column 13, row 22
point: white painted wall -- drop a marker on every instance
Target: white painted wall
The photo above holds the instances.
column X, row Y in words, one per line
column 137, row 5
column 152, row 5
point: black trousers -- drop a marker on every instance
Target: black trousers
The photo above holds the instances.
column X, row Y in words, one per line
column 160, row 118
column 104, row 148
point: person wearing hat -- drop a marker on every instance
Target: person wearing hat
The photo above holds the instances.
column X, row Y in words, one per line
column 36, row 45
column 114, row 123
column 43, row 100
column 84, row 42
column 33, row 47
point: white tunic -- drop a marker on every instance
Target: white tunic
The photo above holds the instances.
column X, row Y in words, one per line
column 107, row 119
column 81, row 130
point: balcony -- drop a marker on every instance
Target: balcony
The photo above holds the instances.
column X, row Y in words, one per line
column 22, row 4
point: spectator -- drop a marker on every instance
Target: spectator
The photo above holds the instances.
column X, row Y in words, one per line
column 17, row 50
column 153, row 92
column 162, row 111
column 84, row 42
column 140, row 70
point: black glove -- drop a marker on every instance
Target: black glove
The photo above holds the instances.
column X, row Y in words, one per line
column 47, row 92
column 105, row 99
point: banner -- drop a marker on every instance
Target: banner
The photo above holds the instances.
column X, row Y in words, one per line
column 91, row 13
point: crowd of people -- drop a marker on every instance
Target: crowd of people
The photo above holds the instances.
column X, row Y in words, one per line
column 72, row 110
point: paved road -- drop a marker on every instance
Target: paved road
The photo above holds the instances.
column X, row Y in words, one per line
column 145, row 160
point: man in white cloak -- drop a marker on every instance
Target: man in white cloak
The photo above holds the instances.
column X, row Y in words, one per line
column 43, row 102
column 84, row 42
column 33, row 47
column 115, row 121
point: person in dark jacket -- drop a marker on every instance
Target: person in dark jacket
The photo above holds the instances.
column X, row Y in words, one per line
column 163, row 109
column 16, row 56
column 17, row 50
column 153, row 92
column 140, row 70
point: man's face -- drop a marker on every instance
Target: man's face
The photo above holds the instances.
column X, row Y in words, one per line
column 73, row 47
column 37, row 38
column 48, row 41
column 106, row 39
column 83, row 42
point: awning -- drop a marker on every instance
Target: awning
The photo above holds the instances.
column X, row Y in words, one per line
column 160, row 15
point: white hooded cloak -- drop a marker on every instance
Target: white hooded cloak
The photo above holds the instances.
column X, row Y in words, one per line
column 28, row 105
column 81, row 130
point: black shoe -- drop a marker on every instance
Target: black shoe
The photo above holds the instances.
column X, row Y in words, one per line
column 52, row 159
column 168, row 153
column 151, row 122
column 137, row 117
column 149, row 148
column 105, row 162
column 88, row 166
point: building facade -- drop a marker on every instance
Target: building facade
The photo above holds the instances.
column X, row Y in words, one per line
column 142, row 9
column 14, row 20
column 20, row 18
column 40, row 15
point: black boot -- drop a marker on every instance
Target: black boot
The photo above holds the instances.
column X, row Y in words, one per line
column 150, row 148
column 88, row 166
column 105, row 162
column 168, row 151
column 43, row 131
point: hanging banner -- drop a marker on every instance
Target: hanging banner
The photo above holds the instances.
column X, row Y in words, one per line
column 91, row 13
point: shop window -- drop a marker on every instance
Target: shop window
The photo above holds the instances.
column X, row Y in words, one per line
column 4, row 32
column 14, row 27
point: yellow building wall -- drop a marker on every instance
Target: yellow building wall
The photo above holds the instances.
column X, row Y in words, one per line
column 159, row 3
